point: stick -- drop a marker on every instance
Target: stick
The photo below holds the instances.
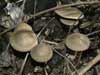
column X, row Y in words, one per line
column 24, row 62
column 92, row 33
column 89, row 65
column 3, row 32
column 45, row 27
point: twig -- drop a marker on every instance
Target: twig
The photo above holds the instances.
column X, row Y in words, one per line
column 8, row 46
column 24, row 62
column 50, row 42
column 45, row 27
column 23, row 5
column 92, row 33
column 89, row 65
column 18, row 1
column 64, row 72
column 45, row 70
column 6, row 30
column 35, row 4
column 69, row 69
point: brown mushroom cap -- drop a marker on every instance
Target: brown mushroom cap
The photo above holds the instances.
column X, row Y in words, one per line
column 23, row 41
column 77, row 42
column 41, row 53
column 23, row 26
column 69, row 13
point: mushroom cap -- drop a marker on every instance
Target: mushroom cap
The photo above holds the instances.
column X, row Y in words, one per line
column 69, row 22
column 77, row 42
column 41, row 53
column 23, row 26
column 69, row 13
column 23, row 41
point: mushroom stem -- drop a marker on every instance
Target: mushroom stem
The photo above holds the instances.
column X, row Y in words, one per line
column 78, row 58
column 76, row 53
column 89, row 65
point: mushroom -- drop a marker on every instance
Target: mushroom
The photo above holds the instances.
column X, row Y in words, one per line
column 41, row 53
column 23, row 39
column 77, row 42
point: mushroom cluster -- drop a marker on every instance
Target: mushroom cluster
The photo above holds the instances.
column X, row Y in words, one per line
column 69, row 15
column 23, row 39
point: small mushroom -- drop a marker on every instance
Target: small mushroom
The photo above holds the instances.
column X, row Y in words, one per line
column 41, row 53
column 23, row 26
column 77, row 42
column 23, row 41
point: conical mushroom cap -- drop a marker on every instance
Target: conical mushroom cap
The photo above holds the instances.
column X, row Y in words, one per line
column 23, row 26
column 77, row 42
column 41, row 53
column 23, row 41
